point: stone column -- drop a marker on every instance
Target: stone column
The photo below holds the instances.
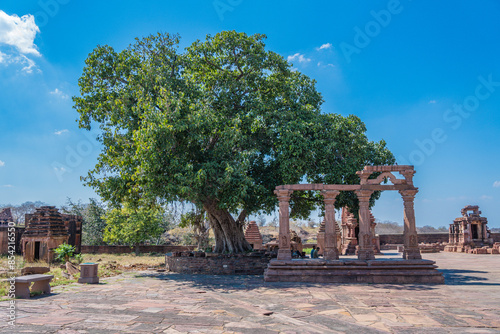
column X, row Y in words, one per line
column 284, row 252
column 411, row 250
column 365, row 251
column 331, row 251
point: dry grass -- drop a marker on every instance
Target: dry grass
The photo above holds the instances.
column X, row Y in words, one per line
column 109, row 265
column 124, row 260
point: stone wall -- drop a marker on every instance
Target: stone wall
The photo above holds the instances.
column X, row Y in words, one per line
column 141, row 249
column 218, row 264
column 427, row 238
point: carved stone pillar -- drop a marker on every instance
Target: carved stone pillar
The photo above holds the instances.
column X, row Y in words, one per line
column 331, row 251
column 284, row 252
column 365, row 251
column 411, row 250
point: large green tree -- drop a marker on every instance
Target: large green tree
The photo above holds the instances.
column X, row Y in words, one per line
column 220, row 125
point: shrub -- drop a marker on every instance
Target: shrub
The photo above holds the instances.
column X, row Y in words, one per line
column 64, row 252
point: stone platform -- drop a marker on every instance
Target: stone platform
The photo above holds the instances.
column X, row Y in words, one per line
column 383, row 271
column 152, row 302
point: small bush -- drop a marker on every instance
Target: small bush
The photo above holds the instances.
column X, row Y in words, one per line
column 64, row 252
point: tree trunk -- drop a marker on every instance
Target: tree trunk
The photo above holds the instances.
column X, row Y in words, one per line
column 229, row 236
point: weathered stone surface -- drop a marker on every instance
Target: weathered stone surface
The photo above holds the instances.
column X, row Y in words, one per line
column 219, row 264
column 469, row 233
column 253, row 236
column 145, row 302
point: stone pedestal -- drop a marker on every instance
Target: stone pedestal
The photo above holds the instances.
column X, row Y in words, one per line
column 390, row 271
column 88, row 273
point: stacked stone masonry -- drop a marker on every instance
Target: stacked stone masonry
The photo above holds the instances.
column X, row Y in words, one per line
column 253, row 236
column 218, row 264
column 470, row 234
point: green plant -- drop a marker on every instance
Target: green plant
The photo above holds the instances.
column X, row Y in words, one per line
column 79, row 258
column 64, row 252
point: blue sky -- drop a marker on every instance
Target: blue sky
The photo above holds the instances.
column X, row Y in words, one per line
column 422, row 75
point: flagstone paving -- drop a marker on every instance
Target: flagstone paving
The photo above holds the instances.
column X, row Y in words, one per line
column 151, row 302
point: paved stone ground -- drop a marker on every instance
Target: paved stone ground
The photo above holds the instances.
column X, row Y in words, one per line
column 150, row 302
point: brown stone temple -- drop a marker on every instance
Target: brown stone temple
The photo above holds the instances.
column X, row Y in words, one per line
column 253, row 236
column 46, row 229
column 469, row 231
column 366, row 269
column 350, row 231
column 321, row 237
column 6, row 222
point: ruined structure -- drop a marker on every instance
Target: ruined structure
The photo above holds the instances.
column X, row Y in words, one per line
column 73, row 225
column 7, row 223
column 350, row 230
column 46, row 229
column 410, row 269
column 253, row 236
column 321, row 238
column 295, row 241
column 469, row 231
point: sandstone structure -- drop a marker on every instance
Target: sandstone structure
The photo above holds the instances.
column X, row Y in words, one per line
column 469, row 231
column 410, row 269
column 321, row 238
column 73, row 225
column 350, row 231
column 253, row 236
column 46, row 229
column 7, row 228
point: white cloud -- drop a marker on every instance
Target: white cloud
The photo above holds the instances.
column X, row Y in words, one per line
column 19, row 32
column 486, row 197
column 299, row 57
column 29, row 64
column 2, row 163
column 59, row 94
column 8, row 186
column 325, row 47
column 432, row 101
column 60, row 132
column 496, row 184
column 17, row 35
column 320, row 64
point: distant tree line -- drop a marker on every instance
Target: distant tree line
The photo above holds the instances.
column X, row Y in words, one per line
column 390, row 227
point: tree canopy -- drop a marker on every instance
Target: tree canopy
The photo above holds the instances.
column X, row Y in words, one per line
column 220, row 125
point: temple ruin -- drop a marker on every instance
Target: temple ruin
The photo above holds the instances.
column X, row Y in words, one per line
column 350, row 231
column 469, row 231
column 321, row 238
column 253, row 236
column 46, row 229
column 366, row 269
column 7, row 222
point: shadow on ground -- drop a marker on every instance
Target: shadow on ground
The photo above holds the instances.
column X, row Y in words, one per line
column 227, row 282
column 465, row 277
column 250, row 282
